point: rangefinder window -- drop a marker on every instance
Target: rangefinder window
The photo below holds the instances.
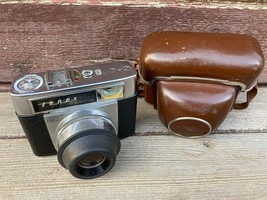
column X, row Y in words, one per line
column 64, row 101
column 58, row 78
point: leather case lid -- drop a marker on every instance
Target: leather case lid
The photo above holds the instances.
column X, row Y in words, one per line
column 232, row 57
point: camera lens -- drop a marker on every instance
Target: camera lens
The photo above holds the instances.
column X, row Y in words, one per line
column 88, row 146
column 91, row 161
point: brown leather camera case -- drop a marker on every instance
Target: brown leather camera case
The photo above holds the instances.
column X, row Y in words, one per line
column 193, row 79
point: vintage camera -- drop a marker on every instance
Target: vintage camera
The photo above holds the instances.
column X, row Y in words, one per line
column 79, row 114
column 195, row 79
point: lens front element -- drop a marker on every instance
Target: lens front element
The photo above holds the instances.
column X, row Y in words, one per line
column 92, row 161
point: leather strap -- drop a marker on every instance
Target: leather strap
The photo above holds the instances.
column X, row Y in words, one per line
column 139, row 83
column 250, row 95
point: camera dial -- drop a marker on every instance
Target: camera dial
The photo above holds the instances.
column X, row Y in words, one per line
column 28, row 83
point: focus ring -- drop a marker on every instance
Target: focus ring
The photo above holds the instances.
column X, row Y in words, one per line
column 83, row 123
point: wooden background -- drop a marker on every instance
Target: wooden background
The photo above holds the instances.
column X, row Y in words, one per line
column 36, row 35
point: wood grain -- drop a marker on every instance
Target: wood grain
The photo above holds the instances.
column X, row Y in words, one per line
column 241, row 4
column 148, row 167
column 37, row 37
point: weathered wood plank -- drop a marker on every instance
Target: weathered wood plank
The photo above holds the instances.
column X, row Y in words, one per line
column 252, row 119
column 241, row 4
column 148, row 167
column 38, row 37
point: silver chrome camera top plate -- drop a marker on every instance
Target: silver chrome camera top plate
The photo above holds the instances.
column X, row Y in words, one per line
column 74, row 81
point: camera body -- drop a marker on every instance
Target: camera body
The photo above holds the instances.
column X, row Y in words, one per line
column 78, row 113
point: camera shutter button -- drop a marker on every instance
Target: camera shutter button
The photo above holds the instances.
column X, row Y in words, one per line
column 87, row 73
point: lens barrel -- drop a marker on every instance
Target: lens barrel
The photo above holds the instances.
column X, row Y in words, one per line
column 92, row 155
column 88, row 146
